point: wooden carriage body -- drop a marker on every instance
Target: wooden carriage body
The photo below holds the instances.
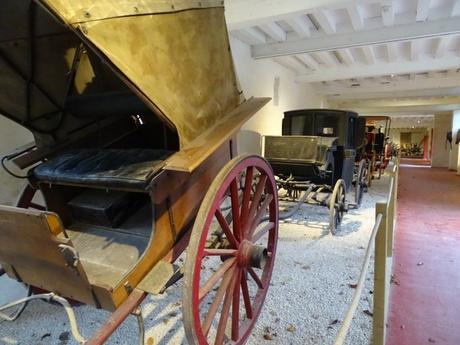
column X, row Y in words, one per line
column 134, row 107
column 332, row 138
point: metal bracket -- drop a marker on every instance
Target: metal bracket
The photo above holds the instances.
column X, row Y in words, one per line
column 70, row 255
column 177, row 275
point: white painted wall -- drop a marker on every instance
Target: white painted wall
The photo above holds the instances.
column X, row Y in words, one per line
column 257, row 78
column 11, row 136
column 454, row 162
column 442, row 125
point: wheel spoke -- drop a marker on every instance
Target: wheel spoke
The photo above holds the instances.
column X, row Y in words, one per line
column 235, row 209
column 246, row 197
column 204, row 290
column 260, row 214
column 245, row 291
column 266, row 228
column 236, row 308
column 215, row 304
column 257, row 196
column 223, row 305
column 226, row 228
column 255, row 277
column 225, row 311
column 220, row 252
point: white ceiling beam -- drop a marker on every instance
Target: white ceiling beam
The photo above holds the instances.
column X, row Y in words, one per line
column 300, row 25
column 291, row 63
column 243, row 13
column 326, row 58
column 382, row 86
column 392, row 52
column 250, row 36
column 409, row 110
column 423, row 7
column 403, row 102
column 368, row 53
column 388, row 14
column 414, row 50
column 346, row 57
column 395, row 33
column 365, row 71
column 325, row 20
column 441, row 46
column 274, row 31
column 355, row 16
column 309, row 61
column 414, row 105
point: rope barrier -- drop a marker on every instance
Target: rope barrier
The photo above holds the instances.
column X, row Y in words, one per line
column 359, row 288
column 49, row 297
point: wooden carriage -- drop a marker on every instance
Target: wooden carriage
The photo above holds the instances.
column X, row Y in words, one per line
column 317, row 153
column 134, row 107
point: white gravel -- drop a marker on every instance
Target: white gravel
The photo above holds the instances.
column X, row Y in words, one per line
column 306, row 303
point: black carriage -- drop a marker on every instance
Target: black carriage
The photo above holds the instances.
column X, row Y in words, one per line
column 316, row 155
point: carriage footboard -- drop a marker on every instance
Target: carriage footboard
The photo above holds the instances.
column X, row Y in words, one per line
column 34, row 249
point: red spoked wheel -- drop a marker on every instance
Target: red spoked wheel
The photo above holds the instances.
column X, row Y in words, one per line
column 231, row 254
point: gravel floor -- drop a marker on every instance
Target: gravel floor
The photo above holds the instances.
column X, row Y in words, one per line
column 306, row 303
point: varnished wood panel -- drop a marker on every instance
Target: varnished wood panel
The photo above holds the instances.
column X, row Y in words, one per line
column 31, row 250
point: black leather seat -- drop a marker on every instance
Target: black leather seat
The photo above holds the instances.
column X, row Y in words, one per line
column 105, row 168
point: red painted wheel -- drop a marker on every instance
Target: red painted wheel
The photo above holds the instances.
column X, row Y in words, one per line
column 231, row 254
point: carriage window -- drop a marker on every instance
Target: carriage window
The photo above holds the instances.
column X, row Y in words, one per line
column 326, row 125
column 301, row 125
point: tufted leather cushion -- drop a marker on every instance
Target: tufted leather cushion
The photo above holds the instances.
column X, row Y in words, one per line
column 107, row 168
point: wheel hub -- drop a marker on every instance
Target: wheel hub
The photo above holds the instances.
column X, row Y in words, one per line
column 252, row 255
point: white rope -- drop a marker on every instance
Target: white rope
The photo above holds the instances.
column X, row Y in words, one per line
column 359, row 288
column 48, row 297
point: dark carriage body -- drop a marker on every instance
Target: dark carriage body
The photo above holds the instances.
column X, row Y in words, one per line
column 305, row 158
column 331, row 134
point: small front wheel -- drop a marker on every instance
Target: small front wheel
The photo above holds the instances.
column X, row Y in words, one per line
column 361, row 183
column 337, row 205
column 231, row 254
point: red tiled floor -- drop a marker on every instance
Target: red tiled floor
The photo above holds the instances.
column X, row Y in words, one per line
column 425, row 302
column 414, row 161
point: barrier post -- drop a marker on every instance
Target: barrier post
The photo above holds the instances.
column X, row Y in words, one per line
column 380, row 276
column 391, row 217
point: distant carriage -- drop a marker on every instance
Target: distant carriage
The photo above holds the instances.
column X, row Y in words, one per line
column 316, row 153
column 378, row 150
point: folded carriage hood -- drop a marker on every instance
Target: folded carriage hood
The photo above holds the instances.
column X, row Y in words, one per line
column 170, row 57
column 175, row 53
